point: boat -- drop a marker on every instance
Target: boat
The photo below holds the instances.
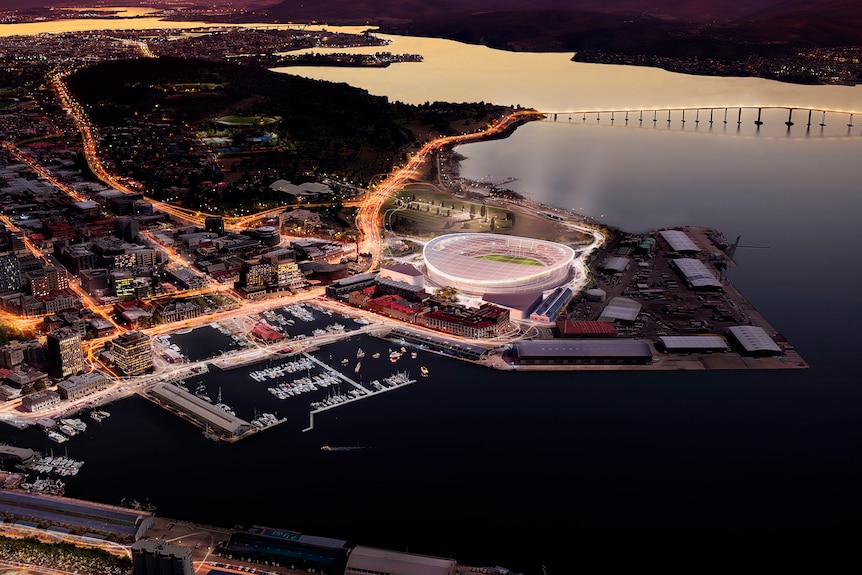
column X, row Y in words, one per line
column 359, row 353
column 413, row 354
column 226, row 408
column 358, row 367
column 57, row 436
column 340, row 448
column 75, row 424
column 376, row 355
column 424, row 371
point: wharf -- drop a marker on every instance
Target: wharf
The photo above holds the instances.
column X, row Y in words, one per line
column 399, row 379
column 667, row 306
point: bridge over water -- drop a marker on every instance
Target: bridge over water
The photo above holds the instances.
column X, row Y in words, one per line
column 803, row 120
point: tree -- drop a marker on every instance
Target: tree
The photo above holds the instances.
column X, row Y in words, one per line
column 446, row 293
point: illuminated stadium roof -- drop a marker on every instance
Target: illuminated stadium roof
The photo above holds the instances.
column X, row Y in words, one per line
column 482, row 263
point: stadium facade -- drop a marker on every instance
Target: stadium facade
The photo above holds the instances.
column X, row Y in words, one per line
column 496, row 263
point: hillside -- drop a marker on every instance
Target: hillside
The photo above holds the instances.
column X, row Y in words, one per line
column 152, row 113
column 609, row 25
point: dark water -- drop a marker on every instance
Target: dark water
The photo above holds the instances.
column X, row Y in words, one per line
column 557, row 469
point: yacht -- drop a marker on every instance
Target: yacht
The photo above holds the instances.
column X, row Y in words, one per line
column 75, row 424
column 57, row 436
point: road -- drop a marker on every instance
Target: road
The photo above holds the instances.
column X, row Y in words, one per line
column 369, row 221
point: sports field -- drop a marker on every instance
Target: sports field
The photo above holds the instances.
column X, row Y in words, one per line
column 510, row 259
column 245, row 120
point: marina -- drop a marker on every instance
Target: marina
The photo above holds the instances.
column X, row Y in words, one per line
column 397, row 379
column 196, row 392
column 60, row 465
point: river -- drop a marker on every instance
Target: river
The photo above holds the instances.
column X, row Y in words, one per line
column 557, row 470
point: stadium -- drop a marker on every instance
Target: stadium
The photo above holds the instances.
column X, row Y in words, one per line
column 495, row 263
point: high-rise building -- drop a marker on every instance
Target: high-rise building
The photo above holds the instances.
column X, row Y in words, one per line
column 10, row 273
column 276, row 270
column 159, row 558
column 132, row 353
column 65, row 355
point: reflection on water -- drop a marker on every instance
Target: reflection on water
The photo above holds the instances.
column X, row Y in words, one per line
column 131, row 19
column 456, row 72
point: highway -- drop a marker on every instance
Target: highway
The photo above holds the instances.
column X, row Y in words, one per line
column 369, row 221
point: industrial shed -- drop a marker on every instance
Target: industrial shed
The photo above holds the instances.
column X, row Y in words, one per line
column 616, row 265
column 582, row 352
column 622, row 309
column 693, row 343
column 365, row 560
column 696, row 274
column 753, row 340
column 575, row 328
column 679, row 241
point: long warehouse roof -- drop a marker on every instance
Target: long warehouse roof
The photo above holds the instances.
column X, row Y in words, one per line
column 696, row 273
column 679, row 241
column 754, row 339
column 199, row 408
column 584, row 348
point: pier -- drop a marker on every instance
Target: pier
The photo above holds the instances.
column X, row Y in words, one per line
column 396, row 380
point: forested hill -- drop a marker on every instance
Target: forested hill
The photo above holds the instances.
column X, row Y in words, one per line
column 320, row 127
column 611, row 25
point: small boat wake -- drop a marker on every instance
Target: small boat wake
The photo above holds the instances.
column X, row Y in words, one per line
column 342, row 448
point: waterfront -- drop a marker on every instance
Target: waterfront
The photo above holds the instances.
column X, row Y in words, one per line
column 486, row 466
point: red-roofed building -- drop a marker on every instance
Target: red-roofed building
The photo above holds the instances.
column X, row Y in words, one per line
column 571, row 328
column 266, row 334
column 396, row 307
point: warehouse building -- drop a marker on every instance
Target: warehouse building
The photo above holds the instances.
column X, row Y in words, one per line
column 82, row 517
column 753, row 340
column 696, row 274
column 369, row 560
column 693, row 343
column 679, row 241
column 582, row 352
column 199, row 410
